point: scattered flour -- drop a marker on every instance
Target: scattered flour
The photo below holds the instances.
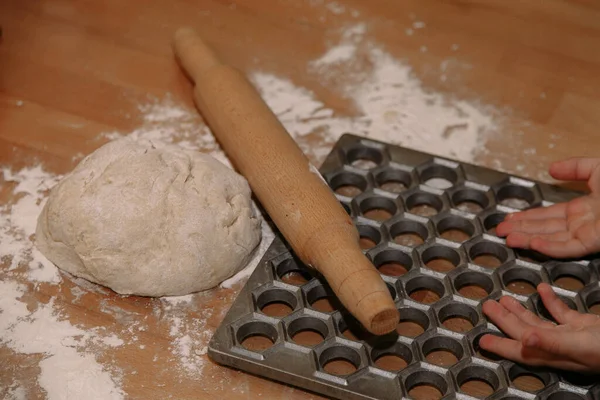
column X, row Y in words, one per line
column 391, row 105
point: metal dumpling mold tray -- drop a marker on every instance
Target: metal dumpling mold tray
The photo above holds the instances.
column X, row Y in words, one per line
column 428, row 225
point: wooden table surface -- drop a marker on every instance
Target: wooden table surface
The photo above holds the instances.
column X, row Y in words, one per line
column 71, row 70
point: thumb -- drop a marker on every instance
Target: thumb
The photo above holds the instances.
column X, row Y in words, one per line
column 562, row 343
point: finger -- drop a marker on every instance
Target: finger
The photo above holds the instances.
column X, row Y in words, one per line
column 535, row 226
column 514, row 350
column 523, row 240
column 512, row 305
column 556, row 307
column 574, row 169
column 508, row 322
column 554, row 211
column 571, row 248
column 570, row 345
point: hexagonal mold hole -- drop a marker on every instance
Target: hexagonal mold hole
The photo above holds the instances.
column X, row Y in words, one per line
column 392, row 357
column 393, row 180
column 491, row 221
column 473, row 285
column 307, row 331
column 531, row 256
column 425, row 384
column 528, row 380
column 276, row 302
column 257, row 336
column 407, row 232
column 348, row 184
column 568, row 275
column 413, row 322
column 443, row 351
column 339, row 360
column 560, row 394
column 424, row 204
column 351, row 329
column 369, row 236
column 477, row 381
column 425, row 289
column 515, row 196
column 438, row 176
column 470, row 200
column 543, row 311
column 377, row 208
column 458, row 317
column 322, row 298
column 440, row 258
column 364, row 157
column 521, row 280
column 293, row 272
column 488, row 254
column 393, row 262
column 484, row 354
column 592, row 300
column 455, row 228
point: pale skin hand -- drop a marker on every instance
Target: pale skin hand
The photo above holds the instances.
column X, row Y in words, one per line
column 564, row 230
column 572, row 344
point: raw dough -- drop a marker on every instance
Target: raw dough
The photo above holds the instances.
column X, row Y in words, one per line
column 150, row 219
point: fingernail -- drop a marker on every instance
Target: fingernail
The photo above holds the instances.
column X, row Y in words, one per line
column 532, row 340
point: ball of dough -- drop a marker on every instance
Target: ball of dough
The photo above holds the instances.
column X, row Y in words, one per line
column 149, row 220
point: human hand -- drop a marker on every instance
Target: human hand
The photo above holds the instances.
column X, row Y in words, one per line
column 563, row 230
column 572, row 344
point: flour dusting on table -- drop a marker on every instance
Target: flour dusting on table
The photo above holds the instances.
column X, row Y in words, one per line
column 390, row 105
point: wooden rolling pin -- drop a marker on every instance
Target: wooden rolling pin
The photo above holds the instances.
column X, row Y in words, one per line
column 289, row 188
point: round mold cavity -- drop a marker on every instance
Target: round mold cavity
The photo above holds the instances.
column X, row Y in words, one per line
column 443, row 351
column 592, row 301
column 425, row 384
column 543, row 311
column 528, row 380
column 392, row 358
column 473, row 285
column 393, row 262
column 425, row 289
column 470, row 200
column 456, row 229
column 424, row 204
column 292, row 271
column 308, row 331
column 458, row 317
column 364, row 157
column 477, row 381
column 439, row 176
column 370, row 236
column 378, row 208
column 339, row 360
column 408, row 233
column 256, row 336
column 348, row 184
column 481, row 353
column 393, row 180
column 521, row 280
column 413, row 322
column 515, row 196
column 276, row 302
column 488, row 254
column 578, row 379
column 492, row 221
column 440, row 258
column 569, row 276
column 322, row 298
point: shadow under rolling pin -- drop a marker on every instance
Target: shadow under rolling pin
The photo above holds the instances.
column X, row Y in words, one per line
column 302, row 206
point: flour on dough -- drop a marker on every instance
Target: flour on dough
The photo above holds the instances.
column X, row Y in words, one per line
column 150, row 219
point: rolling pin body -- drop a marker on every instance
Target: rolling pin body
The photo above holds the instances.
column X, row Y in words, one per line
column 297, row 199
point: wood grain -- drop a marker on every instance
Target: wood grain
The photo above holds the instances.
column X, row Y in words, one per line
column 81, row 68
